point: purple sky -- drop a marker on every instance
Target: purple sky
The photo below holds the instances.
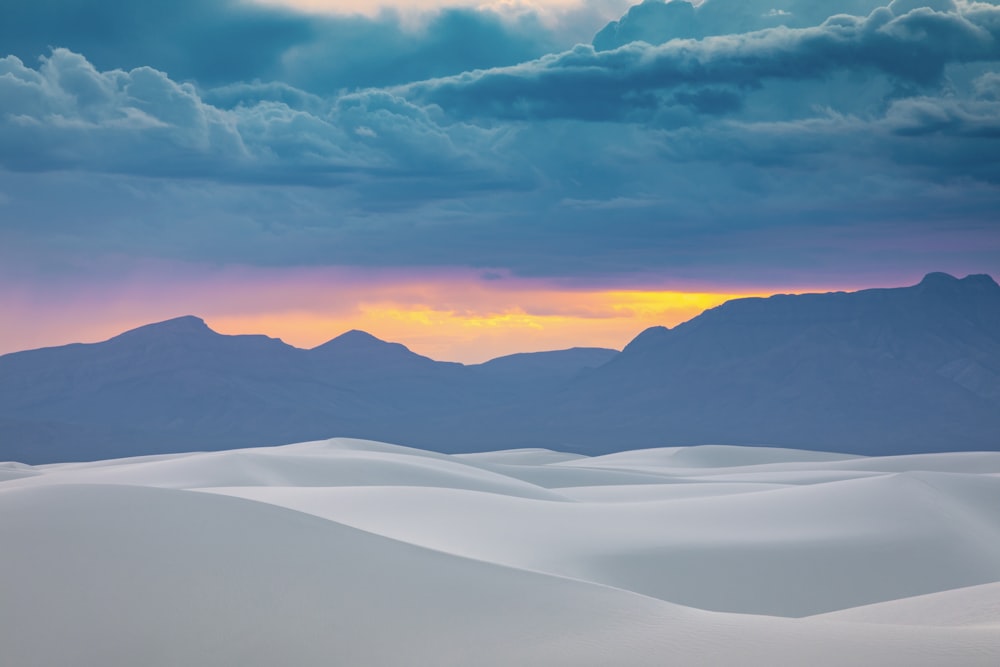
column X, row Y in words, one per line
column 451, row 175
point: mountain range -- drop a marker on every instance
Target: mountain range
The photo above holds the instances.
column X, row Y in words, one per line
column 879, row 371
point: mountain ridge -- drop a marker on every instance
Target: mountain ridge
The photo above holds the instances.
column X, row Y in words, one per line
column 885, row 370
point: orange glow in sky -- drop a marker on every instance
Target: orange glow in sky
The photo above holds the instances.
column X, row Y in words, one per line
column 450, row 315
column 480, row 331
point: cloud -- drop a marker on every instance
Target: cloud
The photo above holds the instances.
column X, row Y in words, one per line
column 635, row 81
column 352, row 52
column 773, row 86
column 219, row 42
column 947, row 135
column 66, row 114
column 207, row 40
column 249, row 94
column 659, row 21
column 928, row 116
column 768, row 153
column 987, row 86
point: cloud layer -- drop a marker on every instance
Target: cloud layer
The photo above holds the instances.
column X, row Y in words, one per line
column 215, row 42
column 711, row 76
column 761, row 139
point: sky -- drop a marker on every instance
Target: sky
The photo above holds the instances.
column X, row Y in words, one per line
column 481, row 178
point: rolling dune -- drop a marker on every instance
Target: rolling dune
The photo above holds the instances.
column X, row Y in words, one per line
column 355, row 552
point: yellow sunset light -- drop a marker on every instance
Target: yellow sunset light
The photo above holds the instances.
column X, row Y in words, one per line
column 491, row 323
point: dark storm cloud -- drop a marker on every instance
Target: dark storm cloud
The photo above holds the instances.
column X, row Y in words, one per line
column 628, row 83
column 356, row 52
column 245, row 94
column 68, row 115
column 659, row 21
column 214, row 41
column 218, row 42
column 799, row 147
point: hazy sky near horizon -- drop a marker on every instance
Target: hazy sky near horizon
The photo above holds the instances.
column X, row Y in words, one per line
column 478, row 178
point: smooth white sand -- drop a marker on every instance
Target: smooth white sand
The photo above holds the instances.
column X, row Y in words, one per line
column 255, row 557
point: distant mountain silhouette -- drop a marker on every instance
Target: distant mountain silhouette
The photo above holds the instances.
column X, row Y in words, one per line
column 364, row 352
column 877, row 371
column 177, row 385
column 534, row 368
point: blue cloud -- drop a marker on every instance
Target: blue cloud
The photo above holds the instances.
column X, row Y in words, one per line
column 357, row 52
column 67, row 114
column 248, row 94
column 739, row 152
column 220, row 42
column 659, row 21
column 212, row 41
column 628, row 83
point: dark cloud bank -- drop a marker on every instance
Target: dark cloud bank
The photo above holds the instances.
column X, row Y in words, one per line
column 765, row 137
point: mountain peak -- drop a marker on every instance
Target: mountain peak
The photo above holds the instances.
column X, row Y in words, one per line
column 938, row 278
column 354, row 339
column 980, row 280
column 365, row 350
column 976, row 283
column 185, row 325
column 359, row 335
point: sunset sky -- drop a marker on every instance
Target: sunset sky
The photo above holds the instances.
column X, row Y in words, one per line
column 479, row 178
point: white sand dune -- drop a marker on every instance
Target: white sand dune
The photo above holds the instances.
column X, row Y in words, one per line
column 303, row 465
column 11, row 470
column 974, row 605
column 354, row 552
column 708, row 456
column 792, row 552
